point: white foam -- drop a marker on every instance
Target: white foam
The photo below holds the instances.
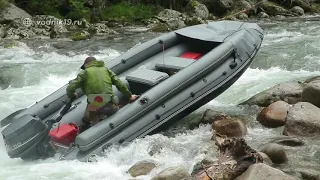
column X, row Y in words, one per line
column 184, row 149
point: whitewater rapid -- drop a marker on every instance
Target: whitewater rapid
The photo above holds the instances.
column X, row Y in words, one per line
column 288, row 52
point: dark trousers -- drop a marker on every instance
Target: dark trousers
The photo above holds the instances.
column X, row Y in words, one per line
column 92, row 117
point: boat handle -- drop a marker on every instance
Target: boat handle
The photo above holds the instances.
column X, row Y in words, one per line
column 143, row 100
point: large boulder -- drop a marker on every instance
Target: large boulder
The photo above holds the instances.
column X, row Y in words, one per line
column 274, row 115
column 304, row 4
column 221, row 7
column 289, row 92
column 169, row 13
column 197, row 9
column 12, row 12
column 261, row 171
column 141, row 168
column 311, row 91
column 167, row 20
column 172, row 173
column 276, row 153
column 303, row 120
column 273, row 9
column 297, row 10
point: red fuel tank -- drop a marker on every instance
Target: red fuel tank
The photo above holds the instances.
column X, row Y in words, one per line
column 64, row 134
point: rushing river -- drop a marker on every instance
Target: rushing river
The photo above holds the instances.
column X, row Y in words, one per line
column 31, row 70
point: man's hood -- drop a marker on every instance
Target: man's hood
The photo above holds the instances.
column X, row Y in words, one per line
column 96, row 64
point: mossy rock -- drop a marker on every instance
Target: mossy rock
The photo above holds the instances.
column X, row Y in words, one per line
column 192, row 21
column 78, row 36
column 160, row 28
column 194, row 3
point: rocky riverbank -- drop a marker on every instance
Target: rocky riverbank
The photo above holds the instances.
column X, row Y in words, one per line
column 14, row 25
column 291, row 107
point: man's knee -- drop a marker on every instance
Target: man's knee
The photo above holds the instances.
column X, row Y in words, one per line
column 94, row 117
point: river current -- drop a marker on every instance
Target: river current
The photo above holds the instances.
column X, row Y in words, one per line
column 30, row 70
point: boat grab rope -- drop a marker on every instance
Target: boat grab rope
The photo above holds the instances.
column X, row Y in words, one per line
column 163, row 53
column 161, row 42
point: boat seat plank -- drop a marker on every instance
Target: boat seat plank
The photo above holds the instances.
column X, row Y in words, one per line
column 174, row 63
column 146, row 76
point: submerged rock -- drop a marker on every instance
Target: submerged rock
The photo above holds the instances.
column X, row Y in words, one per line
column 142, row 168
column 276, row 153
column 262, row 171
column 172, row 173
column 288, row 141
column 274, row 115
column 289, row 92
column 309, row 174
column 303, row 120
column 210, row 115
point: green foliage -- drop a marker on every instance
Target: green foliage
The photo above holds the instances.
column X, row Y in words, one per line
column 125, row 11
column 70, row 9
column 77, row 11
column 74, row 9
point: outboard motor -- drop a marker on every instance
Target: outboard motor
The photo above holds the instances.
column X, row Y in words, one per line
column 27, row 138
column 30, row 138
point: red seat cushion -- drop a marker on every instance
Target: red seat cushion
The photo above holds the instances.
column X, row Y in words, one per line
column 191, row 55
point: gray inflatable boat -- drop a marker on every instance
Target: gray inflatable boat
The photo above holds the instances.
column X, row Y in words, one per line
column 174, row 74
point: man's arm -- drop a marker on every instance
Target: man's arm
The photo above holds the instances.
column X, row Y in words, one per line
column 75, row 84
column 119, row 84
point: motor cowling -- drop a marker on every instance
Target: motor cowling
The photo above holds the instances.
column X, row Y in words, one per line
column 23, row 135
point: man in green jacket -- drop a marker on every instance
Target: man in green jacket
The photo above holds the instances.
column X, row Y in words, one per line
column 96, row 81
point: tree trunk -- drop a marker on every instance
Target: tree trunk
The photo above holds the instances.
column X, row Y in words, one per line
column 235, row 157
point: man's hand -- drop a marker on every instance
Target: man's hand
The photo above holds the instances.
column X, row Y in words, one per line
column 133, row 97
column 75, row 96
